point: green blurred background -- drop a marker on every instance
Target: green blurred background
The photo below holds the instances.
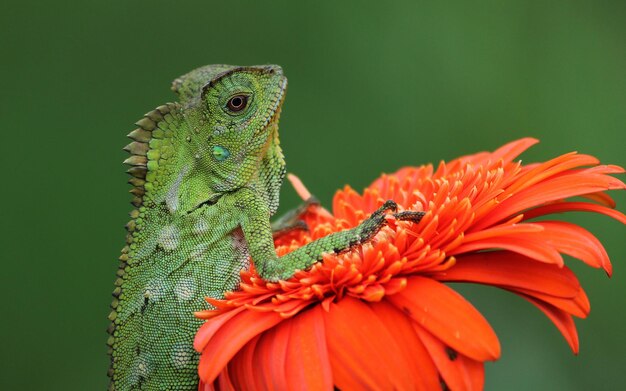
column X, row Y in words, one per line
column 373, row 86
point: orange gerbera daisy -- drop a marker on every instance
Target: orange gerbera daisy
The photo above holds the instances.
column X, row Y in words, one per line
column 380, row 316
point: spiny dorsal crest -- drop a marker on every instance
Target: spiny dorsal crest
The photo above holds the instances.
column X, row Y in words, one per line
column 138, row 160
column 138, row 149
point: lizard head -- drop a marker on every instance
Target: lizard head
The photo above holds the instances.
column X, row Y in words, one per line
column 242, row 109
column 230, row 125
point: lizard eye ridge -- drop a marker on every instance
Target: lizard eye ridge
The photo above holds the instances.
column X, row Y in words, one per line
column 237, row 103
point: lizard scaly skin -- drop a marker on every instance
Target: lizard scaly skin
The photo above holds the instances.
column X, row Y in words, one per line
column 206, row 173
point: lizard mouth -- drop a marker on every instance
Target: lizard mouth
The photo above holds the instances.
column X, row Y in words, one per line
column 209, row 201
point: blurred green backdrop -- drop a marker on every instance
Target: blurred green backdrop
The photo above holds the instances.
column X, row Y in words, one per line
column 373, row 86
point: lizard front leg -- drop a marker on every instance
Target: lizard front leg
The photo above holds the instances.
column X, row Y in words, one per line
column 258, row 234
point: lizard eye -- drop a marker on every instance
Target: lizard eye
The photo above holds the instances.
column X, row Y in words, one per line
column 237, row 103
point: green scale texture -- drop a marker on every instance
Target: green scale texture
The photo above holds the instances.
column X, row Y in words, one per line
column 206, row 173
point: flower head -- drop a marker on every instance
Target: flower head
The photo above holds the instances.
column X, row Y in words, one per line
column 381, row 315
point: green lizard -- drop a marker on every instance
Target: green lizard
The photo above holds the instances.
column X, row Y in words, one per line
column 206, row 173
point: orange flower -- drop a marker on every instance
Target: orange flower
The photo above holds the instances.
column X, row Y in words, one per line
column 380, row 316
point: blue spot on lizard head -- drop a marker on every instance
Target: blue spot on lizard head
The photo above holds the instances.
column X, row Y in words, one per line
column 220, row 153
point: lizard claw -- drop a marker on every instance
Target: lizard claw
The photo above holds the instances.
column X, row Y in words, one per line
column 377, row 220
column 409, row 215
column 388, row 205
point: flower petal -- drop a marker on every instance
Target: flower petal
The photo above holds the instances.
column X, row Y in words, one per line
column 422, row 374
column 227, row 341
column 512, row 271
column 208, row 329
column 577, row 242
column 510, row 151
column 561, row 319
column 363, row 352
column 555, row 189
column 569, row 206
column 536, row 173
column 449, row 317
column 307, row 361
column 578, row 306
column 530, row 246
column 222, row 383
column 299, row 187
column 271, row 356
column 458, row 371
column 243, row 370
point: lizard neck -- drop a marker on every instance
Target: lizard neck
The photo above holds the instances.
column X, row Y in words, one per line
column 272, row 170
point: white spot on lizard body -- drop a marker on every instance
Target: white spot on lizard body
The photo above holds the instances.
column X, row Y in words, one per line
column 201, row 226
column 181, row 355
column 169, row 237
column 185, row 289
column 154, row 290
column 171, row 198
column 142, row 369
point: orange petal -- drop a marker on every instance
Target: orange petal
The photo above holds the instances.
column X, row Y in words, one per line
column 578, row 306
column 299, row 187
column 422, row 374
column 554, row 189
column 271, row 355
column 213, row 325
column 306, row 360
column 243, row 369
column 562, row 320
column 227, row 341
column 222, row 383
column 502, row 230
column 577, row 242
column 565, row 206
column 205, row 387
column 363, row 353
column 510, row 151
column 530, row 246
column 601, row 198
column 513, row 271
column 458, row 371
column 544, row 171
column 449, row 317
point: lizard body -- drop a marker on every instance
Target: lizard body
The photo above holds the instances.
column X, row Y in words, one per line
column 206, row 173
